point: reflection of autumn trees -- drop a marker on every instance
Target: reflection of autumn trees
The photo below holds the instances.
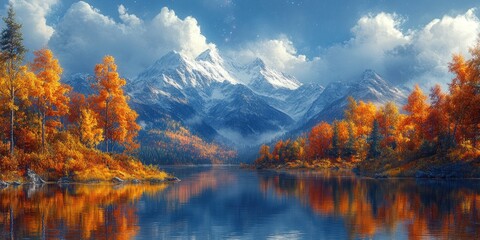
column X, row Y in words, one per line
column 73, row 212
column 198, row 184
column 371, row 206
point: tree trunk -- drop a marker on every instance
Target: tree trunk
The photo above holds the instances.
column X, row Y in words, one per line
column 11, row 223
column 106, row 126
column 43, row 131
column 12, row 114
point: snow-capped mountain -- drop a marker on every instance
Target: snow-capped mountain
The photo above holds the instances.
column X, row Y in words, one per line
column 332, row 102
column 248, row 104
column 199, row 92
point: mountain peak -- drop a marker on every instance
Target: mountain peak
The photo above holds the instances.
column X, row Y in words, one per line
column 209, row 55
column 172, row 59
column 370, row 73
column 372, row 77
column 257, row 63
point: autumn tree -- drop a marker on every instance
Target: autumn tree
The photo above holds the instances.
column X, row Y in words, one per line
column 417, row 109
column 277, row 152
column 12, row 54
column 319, row 140
column 90, row 133
column 463, row 104
column 265, row 155
column 361, row 116
column 388, row 118
column 111, row 105
column 75, row 106
column 437, row 129
column 49, row 95
column 300, row 146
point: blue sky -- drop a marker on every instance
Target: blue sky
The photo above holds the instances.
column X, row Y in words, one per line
column 316, row 41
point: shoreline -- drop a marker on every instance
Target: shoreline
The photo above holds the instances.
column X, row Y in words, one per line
column 435, row 172
column 4, row 184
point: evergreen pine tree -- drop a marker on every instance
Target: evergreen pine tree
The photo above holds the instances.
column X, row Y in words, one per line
column 349, row 150
column 335, row 141
column 374, row 140
column 12, row 54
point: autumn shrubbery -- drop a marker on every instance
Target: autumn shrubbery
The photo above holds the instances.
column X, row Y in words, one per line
column 68, row 157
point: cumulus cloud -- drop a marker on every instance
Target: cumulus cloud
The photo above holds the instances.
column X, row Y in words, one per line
column 129, row 19
column 32, row 15
column 84, row 35
column 435, row 44
column 279, row 54
column 378, row 42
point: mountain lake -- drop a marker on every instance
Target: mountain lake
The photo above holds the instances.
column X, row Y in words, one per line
column 226, row 202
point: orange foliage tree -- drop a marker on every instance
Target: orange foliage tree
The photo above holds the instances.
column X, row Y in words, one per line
column 319, row 140
column 49, row 95
column 464, row 101
column 265, row 155
column 388, row 118
column 90, row 133
column 417, row 109
column 111, row 105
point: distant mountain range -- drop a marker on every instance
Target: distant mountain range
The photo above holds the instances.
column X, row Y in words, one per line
column 240, row 105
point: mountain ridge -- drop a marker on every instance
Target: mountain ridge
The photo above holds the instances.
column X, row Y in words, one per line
column 242, row 105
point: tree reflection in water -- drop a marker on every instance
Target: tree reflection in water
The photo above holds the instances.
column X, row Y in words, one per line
column 72, row 211
column 426, row 208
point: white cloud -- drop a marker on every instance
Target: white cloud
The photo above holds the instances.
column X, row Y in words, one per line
column 84, row 35
column 129, row 19
column 177, row 34
column 379, row 33
column 32, row 15
column 279, row 54
column 435, row 44
column 378, row 42
column 374, row 40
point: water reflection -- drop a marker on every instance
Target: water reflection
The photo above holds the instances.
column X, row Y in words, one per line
column 226, row 202
column 72, row 211
column 421, row 208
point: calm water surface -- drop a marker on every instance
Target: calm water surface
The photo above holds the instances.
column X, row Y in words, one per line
column 226, row 202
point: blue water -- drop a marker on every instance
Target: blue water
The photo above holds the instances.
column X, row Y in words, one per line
column 231, row 203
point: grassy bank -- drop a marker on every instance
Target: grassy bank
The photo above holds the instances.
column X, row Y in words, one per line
column 68, row 159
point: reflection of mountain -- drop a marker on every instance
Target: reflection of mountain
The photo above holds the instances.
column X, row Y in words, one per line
column 227, row 207
column 371, row 207
column 73, row 212
column 225, row 202
column 198, row 184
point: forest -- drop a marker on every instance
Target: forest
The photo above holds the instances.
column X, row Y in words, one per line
column 56, row 132
column 173, row 144
column 431, row 135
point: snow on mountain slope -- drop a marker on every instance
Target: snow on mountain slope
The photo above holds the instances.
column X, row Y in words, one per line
column 203, row 91
column 331, row 93
column 371, row 88
column 177, row 71
column 221, row 100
